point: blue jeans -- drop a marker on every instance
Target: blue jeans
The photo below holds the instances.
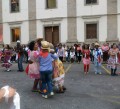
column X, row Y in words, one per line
column 97, row 66
column 46, row 77
column 20, row 61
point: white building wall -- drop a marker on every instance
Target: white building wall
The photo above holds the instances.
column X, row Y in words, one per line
column 119, row 19
column 119, row 27
column 118, row 3
column 80, row 30
column 24, row 38
column 12, row 17
column 42, row 12
column 85, row 10
column 102, row 28
column 62, row 29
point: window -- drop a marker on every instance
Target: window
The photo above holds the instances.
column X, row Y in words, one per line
column 91, row 31
column 14, row 5
column 91, row 1
column 51, row 4
column 15, row 34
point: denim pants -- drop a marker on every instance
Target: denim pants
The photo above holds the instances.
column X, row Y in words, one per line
column 97, row 66
column 46, row 77
column 20, row 61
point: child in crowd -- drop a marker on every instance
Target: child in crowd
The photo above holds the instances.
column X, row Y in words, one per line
column 112, row 63
column 7, row 57
column 91, row 52
column 79, row 53
column 97, row 58
column 86, row 58
column 72, row 55
column 67, row 53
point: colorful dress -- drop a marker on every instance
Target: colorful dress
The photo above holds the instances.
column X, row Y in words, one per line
column 7, row 56
column 86, row 57
column 33, row 70
column 112, row 62
column 58, row 73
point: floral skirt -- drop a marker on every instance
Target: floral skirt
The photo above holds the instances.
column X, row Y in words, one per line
column 6, row 65
column 58, row 74
column 33, row 71
column 59, row 81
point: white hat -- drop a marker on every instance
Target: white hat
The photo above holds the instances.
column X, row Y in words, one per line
column 18, row 41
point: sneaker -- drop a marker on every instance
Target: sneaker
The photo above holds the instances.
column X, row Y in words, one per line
column 100, row 73
column 45, row 96
column 96, row 73
column 51, row 93
column 8, row 70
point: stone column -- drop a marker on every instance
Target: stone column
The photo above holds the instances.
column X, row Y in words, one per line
column 71, row 21
column 1, row 20
column 112, row 21
column 32, row 19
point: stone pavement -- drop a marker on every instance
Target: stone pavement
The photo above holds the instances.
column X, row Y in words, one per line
column 83, row 91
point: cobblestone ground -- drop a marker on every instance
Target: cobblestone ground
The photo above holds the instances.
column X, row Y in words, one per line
column 83, row 91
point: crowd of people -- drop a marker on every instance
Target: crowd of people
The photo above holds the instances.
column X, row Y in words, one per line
column 45, row 61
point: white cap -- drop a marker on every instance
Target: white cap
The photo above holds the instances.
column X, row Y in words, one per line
column 18, row 41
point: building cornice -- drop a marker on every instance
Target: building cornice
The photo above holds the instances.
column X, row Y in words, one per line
column 50, row 19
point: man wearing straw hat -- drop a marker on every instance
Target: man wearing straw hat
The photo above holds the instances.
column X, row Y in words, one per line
column 97, row 58
column 46, row 69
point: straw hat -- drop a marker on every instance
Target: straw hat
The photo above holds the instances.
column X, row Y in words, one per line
column 96, row 44
column 45, row 45
column 51, row 46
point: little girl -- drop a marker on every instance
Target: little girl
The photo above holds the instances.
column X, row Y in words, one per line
column 72, row 55
column 7, row 56
column 112, row 63
column 86, row 58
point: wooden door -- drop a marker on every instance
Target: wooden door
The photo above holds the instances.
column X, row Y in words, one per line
column 55, row 35
column 52, row 34
column 48, row 34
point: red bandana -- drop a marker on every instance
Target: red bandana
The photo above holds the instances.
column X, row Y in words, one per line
column 43, row 54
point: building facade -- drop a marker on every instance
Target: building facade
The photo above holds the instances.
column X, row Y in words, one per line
column 65, row 21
